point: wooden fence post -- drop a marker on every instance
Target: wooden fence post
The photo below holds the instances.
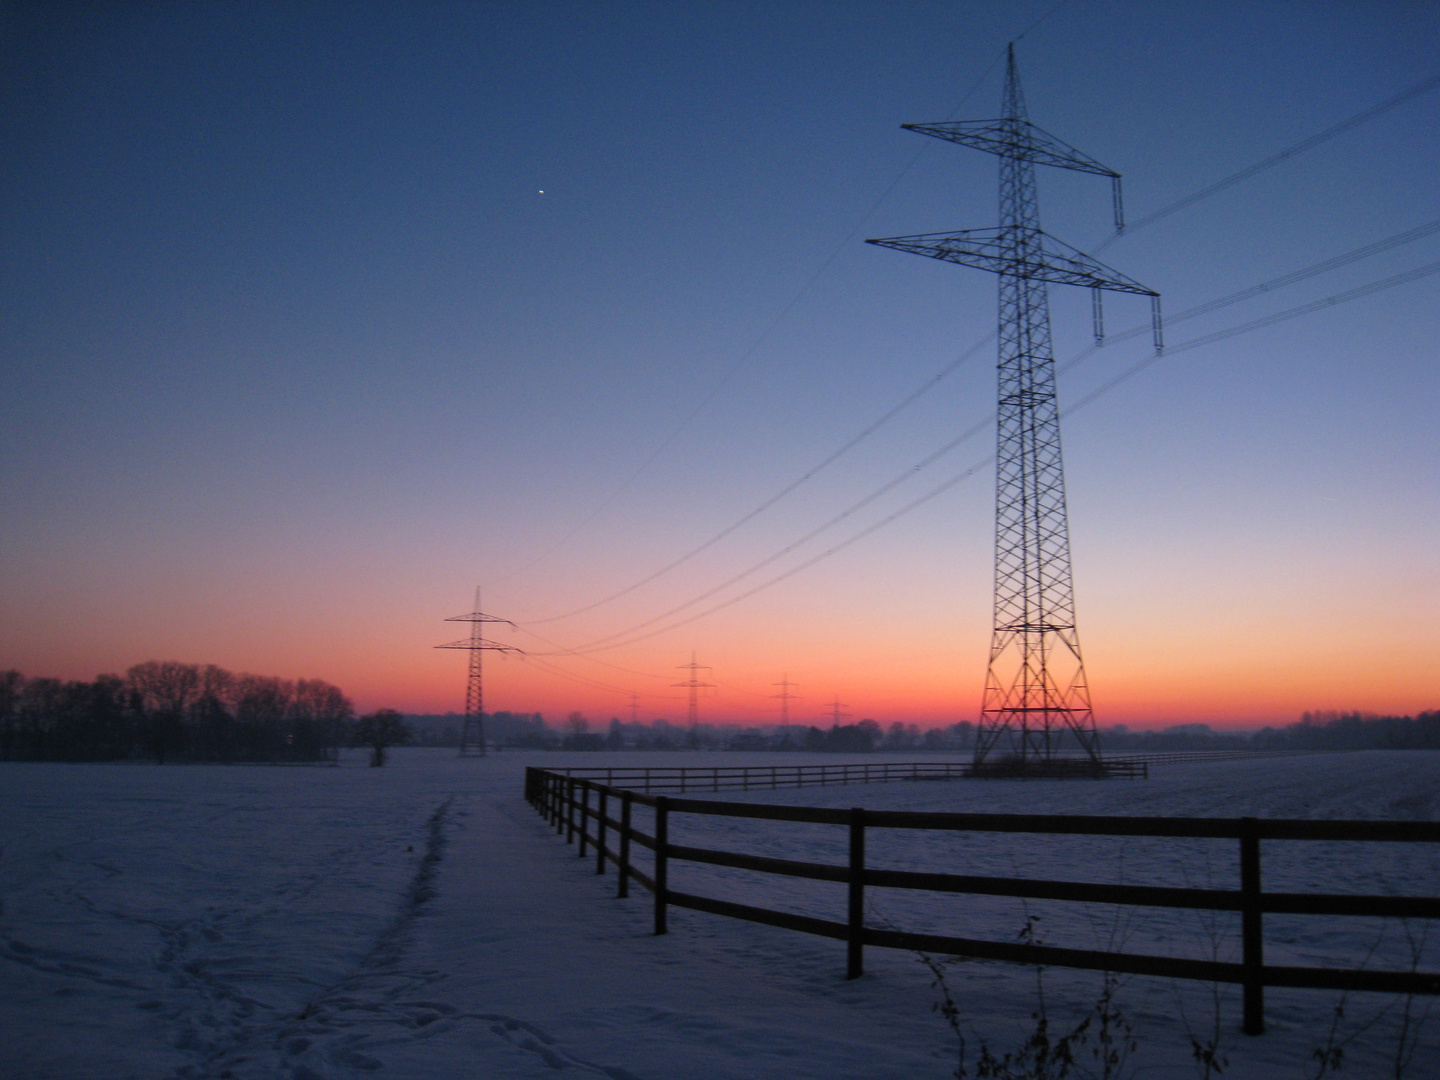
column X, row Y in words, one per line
column 855, row 940
column 584, row 816
column 662, row 858
column 1251, row 928
column 600, row 833
column 561, row 784
column 623, row 870
column 569, row 809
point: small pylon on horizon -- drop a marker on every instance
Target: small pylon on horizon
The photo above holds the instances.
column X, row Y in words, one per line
column 694, row 685
column 472, row 730
column 785, row 697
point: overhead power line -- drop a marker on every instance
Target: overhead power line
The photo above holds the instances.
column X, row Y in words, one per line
column 1289, row 152
column 783, row 492
column 561, row 650
column 1205, row 308
column 608, row 643
column 1260, row 324
column 821, row 557
column 560, row 672
column 1253, row 291
column 1021, row 36
column 853, row 508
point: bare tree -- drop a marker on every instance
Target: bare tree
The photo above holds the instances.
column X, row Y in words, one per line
column 260, row 704
column 379, row 730
column 167, row 689
column 165, row 685
column 320, row 712
column 215, row 737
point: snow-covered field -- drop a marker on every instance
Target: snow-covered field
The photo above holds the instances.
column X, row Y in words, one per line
column 422, row 921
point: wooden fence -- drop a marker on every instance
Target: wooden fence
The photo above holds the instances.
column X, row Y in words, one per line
column 582, row 808
column 683, row 778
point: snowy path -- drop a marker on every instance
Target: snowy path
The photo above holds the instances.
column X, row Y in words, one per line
column 421, row 921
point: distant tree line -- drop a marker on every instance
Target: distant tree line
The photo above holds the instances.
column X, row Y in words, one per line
column 1354, row 731
column 1314, row 731
column 169, row 711
column 576, row 732
column 1120, row 739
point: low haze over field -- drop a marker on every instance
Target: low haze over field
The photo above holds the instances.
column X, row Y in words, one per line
column 317, row 316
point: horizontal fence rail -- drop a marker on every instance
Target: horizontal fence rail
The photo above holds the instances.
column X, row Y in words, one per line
column 581, row 807
column 683, row 778
column 1187, row 757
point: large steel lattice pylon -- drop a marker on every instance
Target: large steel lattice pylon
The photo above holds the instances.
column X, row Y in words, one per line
column 1037, row 700
column 472, row 731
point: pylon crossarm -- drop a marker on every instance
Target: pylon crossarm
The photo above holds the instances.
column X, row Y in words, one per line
column 1057, row 250
column 1014, row 138
column 1025, row 625
column 479, row 616
column 482, row 643
column 1041, row 257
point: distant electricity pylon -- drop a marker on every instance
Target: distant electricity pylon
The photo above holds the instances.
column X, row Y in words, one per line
column 694, row 685
column 785, row 697
column 835, row 714
column 1035, row 688
column 472, row 731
